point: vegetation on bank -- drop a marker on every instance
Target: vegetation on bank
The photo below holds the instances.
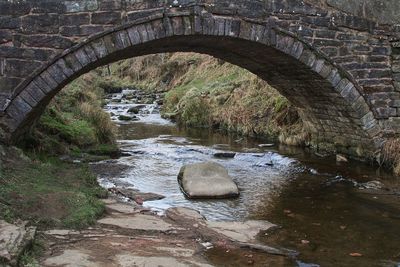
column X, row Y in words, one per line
column 74, row 123
column 39, row 182
column 391, row 155
column 47, row 192
column 206, row 92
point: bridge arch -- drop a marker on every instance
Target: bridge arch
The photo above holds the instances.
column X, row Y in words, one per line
column 329, row 101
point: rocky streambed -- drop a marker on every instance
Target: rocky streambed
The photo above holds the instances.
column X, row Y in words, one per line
column 323, row 208
column 295, row 208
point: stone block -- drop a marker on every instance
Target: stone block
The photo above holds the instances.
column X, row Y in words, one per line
column 188, row 27
column 122, row 39
column 308, row 57
column 14, row 8
column 48, row 6
column 28, row 98
column 80, row 54
column 99, row 48
column 40, row 23
column 7, row 22
column 150, row 31
column 106, row 17
column 134, row 35
column 80, row 6
column 168, row 27
column 177, row 25
column 297, row 49
column 142, row 14
column 21, row 68
column 18, row 109
column 72, row 62
column 143, row 33
column 5, row 36
column 396, row 66
column 75, row 19
column 44, row 40
column 56, row 73
column 245, row 30
column 106, row 5
column 35, row 92
column 48, row 83
column 64, row 67
column 158, row 29
column 91, row 54
column 8, row 85
column 232, row 28
column 386, row 112
column 26, row 53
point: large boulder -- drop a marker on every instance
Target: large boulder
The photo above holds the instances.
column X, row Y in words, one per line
column 206, row 180
column 14, row 239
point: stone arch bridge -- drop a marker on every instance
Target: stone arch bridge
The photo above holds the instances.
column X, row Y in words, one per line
column 336, row 61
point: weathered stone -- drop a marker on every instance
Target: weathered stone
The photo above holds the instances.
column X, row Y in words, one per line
column 75, row 19
column 14, row 8
column 385, row 12
column 14, row 239
column 10, row 23
column 26, row 53
column 46, row 23
column 304, row 50
column 35, row 92
column 20, row 68
column 80, row 6
column 51, row 41
column 100, row 48
column 106, row 17
column 195, row 181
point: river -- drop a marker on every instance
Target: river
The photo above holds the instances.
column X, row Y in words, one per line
column 330, row 212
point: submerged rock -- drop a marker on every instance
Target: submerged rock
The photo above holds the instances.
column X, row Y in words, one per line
column 14, row 239
column 207, row 180
column 136, row 195
column 225, row 154
column 134, row 110
column 124, row 118
column 266, row 145
column 341, row 158
column 127, row 118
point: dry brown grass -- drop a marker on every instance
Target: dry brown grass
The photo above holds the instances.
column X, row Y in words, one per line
column 391, row 154
column 104, row 127
column 236, row 99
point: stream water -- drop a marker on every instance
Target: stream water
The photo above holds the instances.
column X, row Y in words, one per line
column 334, row 214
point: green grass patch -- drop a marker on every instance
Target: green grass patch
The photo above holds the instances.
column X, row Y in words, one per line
column 48, row 192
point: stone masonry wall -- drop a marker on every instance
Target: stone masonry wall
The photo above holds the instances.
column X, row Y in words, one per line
column 34, row 33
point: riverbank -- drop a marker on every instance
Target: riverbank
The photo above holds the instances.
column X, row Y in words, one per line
column 129, row 235
column 202, row 91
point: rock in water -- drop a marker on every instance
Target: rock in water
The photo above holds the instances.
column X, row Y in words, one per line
column 225, row 154
column 14, row 239
column 207, row 180
column 341, row 158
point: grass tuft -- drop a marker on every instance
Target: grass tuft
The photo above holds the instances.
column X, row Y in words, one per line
column 391, row 155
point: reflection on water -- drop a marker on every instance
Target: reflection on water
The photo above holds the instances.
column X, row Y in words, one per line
column 319, row 204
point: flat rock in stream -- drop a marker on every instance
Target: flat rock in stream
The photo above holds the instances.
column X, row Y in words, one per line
column 240, row 231
column 142, row 222
column 14, row 239
column 207, row 180
column 136, row 195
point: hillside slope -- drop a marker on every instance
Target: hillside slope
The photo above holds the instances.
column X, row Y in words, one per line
column 206, row 92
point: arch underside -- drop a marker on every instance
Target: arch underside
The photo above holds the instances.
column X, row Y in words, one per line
column 329, row 103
